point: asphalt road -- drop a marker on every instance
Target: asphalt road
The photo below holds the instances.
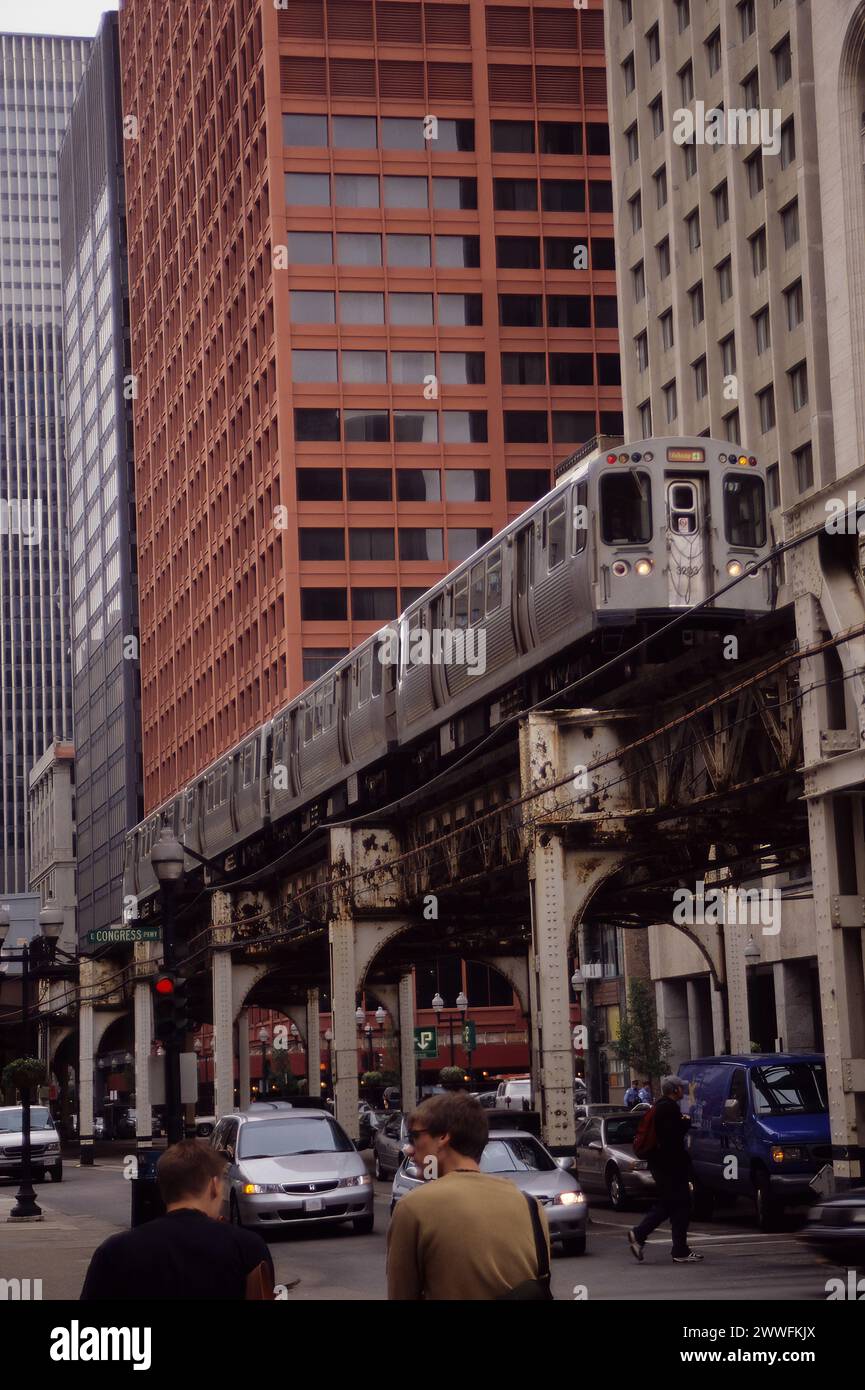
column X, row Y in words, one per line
column 740, row 1262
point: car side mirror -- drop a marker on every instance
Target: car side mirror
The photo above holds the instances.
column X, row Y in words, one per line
column 594, row 1144
column 732, row 1112
column 566, row 1162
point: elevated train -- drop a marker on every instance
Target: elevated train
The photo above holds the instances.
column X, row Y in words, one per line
column 629, row 535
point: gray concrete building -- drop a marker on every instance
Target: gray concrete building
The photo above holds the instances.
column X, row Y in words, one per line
column 39, row 77
column 52, row 834
column 102, row 544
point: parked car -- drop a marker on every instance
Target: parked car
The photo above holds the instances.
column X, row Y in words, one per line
column 522, row 1159
column 44, row 1143
column 836, row 1228
column 769, row 1112
column 487, row 1099
column 387, row 1147
column 606, row 1162
column 292, row 1166
column 584, row 1113
column 514, row 1094
column 370, row 1122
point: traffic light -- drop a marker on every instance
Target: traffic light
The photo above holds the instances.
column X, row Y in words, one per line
column 171, row 1007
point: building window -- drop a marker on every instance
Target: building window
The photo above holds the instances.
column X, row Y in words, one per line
column 411, row 368
column 307, row 131
column 790, row 223
column 666, row 322
column 569, row 311
column 683, row 14
column 632, row 139
column 307, row 190
column 628, row 74
column 698, row 312
column 419, row 543
column 323, row 605
column 462, row 368
column 464, row 541
column 518, row 253
column 747, row 19
column 686, row 84
column 627, row 12
column 574, row 426
column 788, row 143
column 513, row 137
column 562, row 137
column 721, row 199
column 653, row 45
column 322, row 543
column 689, row 159
column 465, row 426
column 563, row 195
column 783, row 55
column 460, row 310
column 766, row 403
column 692, row 222
column 467, row 484
column 725, row 279
column 310, row 248
column 366, row 427
column 758, row 251
column 657, row 110
column 460, row 194
column 358, row 248
column 755, row 174
column 713, row 52
column 671, row 408
column 356, row 191
column 357, row 306
column 373, row 605
column 313, row 306
column 409, row 191
column 402, row 133
column 315, row 426
column 524, row 369
column 317, row 661
column 732, row 429
column 515, row 195
column 313, row 365
column 572, row 369
column 521, row 311
column 410, row 251
column 526, row 427
column 641, row 345
column 660, row 178
column 645, row 413
column 354, row 132
column 369, row 484
column 527, row 484
column 728, row 355
column 415, row 427
column 636, row 206
column 638, row 278
column 701, row 379
column 804, row 460
column 418, row 485
column 456, row 252
column 364, row 368
column 751, row 90
column 319, row 484
column 773, row 485
column 762, row 333
column 370, row 543
column 600, row 195
column 799, row 385
column 795, row 305
column 663, row 250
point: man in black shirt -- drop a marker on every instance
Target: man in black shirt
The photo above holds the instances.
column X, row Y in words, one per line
column 189, row 1252
column 669, row 1165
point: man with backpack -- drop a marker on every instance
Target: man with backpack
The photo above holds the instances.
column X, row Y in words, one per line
column 660, row 1140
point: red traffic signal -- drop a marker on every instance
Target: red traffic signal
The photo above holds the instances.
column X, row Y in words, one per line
column 164, row 986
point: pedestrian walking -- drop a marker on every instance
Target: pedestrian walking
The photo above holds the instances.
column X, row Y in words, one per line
column 464, row 1235
column 189, row 1252
column 661, row 1141
column 644, row 1095
column 632, row 1095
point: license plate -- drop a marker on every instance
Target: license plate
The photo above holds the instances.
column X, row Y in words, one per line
column 313, row 1204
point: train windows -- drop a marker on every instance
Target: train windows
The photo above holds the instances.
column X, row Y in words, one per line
column 223, row 784
column 494, row 580
column 363, row 677
column 580, row 517
column 626, row 508
column 744, row 511
column 461, row 602
column 556, row 531
column 307, row 722
column 377, row 663
column 248, row 765
column 476, row 607
column 682, row 507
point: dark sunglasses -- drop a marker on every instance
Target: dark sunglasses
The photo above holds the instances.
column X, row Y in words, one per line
column 415, row 1134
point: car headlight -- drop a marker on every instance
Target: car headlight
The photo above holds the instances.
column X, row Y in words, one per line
column 640, row 1165
column 52, row 1148
column 792, row 1155
column 644, row 566
column 254, row 1189
column 362, row 1180
column 568, row 1199
column 858, row 1218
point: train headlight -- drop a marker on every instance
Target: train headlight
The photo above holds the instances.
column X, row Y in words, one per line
column 735, row 568
column 644, row 566
column 621, row 568
column 648, row 456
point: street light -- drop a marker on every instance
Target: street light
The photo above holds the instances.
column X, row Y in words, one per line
column 462, row 1004
column 368, row 1030
column 36, row 952
column 262, row 1038
column 580, row 986
column 328, row 1037
column 166, row 858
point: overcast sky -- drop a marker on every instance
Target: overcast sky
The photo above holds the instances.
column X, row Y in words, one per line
column 72, row 17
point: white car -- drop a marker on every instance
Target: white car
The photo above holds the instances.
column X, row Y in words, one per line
column 514, row 1095
column 44, row 1143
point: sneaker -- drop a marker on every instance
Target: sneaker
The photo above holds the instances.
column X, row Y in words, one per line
column 690, row 1259
column 636, row 1246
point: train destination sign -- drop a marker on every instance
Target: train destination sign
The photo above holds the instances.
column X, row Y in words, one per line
column 686, row 455
column 112, row 936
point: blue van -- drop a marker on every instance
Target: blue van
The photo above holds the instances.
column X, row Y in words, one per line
column 759, row 1128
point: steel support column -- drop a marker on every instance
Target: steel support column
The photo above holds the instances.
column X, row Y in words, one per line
column 550, row 951
column 244, row 1060
column 143, row 1023
column 313, row 1044
column 343, row 989
column 85, row 1065
column 407, row 1060
column 223, row 1007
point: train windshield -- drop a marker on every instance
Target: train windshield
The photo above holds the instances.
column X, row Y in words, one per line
column 626, row 508
column 745, row 511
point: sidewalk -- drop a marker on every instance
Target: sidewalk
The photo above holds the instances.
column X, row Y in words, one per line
column 56, row 1250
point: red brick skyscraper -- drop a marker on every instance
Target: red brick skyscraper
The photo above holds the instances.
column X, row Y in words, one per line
column 359, row 333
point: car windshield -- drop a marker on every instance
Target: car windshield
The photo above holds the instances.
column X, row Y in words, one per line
column 515, row 1156
column 622, row 1131
column 10, row 1120
column 283, row 1138
column 791, row 1088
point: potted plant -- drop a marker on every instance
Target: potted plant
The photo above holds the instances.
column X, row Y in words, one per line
column 23, row 1074
column 372, row 1086
column 452, row 1078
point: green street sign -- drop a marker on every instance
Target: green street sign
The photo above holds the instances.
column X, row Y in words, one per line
column 470, row 1036
column 426, row 1043
column 112, row 936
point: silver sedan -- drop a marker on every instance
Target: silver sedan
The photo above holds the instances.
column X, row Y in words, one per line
column 523, row 1160
column 606, row 1162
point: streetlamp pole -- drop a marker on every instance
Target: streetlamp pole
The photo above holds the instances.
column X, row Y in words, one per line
column 167, row 860
column 262, row 1038
column 328, row 1037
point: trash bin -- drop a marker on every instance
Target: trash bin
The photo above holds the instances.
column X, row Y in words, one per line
column 147, row 1203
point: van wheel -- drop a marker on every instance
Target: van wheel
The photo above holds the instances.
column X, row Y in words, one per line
column 616, row 1190
column 768, row 1210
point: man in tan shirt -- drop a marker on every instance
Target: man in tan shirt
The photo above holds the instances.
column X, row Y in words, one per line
column 465, row 1234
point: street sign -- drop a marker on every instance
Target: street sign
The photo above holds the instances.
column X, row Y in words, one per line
column 470, row 1036
column 426, row 1043
column 110, row 936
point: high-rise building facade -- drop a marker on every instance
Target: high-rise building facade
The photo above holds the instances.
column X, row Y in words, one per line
column 372, row 285
column 719, row 229
column 39, row 77
column 102, row 565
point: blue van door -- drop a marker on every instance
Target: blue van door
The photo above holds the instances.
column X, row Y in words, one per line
column 708, row 1086
column 735, row 1176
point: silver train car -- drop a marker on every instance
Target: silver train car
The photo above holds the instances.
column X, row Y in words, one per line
column 630, row 534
